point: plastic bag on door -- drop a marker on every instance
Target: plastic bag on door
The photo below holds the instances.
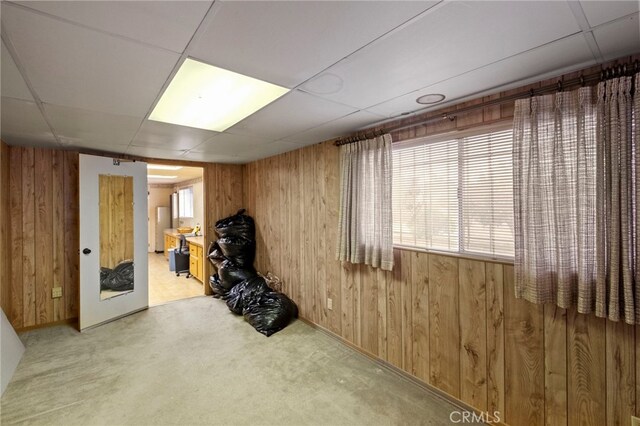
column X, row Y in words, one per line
column 119, row 278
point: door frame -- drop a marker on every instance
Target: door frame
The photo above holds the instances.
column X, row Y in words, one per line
column 205, row 189
column 93, row 310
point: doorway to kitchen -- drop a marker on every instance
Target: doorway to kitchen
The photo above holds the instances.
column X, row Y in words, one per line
column 176, row 242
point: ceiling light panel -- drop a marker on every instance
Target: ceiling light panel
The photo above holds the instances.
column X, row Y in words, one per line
column 161, row 177
column 162, row 167
column 212, row 98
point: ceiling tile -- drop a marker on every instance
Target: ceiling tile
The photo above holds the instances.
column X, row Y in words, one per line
column 12, row 84
column 170, row 136
column 288, row 42
column 89, row 148
column 599, row 12
column 71, row 66
column 23, row 124
column 428, row 51
column 166, row 154
column 619, row 38
column 230, row 144
column 208, row 157
column 267, row 150
column 154, row 23
column 340, row 127
column 181, row 175
column 553, row 59
column 293, row 113
column 92, row 129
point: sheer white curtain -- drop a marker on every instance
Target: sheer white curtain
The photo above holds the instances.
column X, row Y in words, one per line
column 576, row 188
column 365, row 227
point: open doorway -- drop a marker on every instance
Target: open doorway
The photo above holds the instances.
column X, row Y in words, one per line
column 176, row 244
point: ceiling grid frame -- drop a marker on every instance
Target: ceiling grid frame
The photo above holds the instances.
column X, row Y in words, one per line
column 337, row 125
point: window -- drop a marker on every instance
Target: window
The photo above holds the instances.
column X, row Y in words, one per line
column 185, row 202
column 455, row 194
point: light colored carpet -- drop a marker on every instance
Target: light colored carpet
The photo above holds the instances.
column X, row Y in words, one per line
column 193, row 362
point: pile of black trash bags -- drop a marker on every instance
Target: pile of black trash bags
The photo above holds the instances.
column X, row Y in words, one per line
column 236, row 281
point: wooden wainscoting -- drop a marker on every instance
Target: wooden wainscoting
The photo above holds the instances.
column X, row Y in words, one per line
column 451, row 322
column 5, row 237
column 223, row 197
column 43, row 216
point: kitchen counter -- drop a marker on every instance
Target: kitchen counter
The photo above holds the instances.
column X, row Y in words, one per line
column 199, row 240
column 196, row 251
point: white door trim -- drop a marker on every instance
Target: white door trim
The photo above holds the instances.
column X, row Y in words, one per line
column 94, row 311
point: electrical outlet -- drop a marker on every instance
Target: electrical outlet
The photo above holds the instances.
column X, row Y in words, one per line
column 329, row 304
column 56, row 292
column 635, row 421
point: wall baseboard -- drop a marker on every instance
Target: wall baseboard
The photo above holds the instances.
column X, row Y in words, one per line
column 69, row 321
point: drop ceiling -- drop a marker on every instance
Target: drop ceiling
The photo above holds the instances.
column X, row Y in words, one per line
column 172, row 177
column 86, row 75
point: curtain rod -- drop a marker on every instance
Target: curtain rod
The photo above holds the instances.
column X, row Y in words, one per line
column 583, row 80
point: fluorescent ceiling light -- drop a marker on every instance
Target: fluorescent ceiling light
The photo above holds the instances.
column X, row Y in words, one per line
column 211, row 98
column 161, row 177
column 162, row 167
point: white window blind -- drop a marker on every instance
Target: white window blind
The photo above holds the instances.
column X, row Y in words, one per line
column 185, row 202
column 455, row 195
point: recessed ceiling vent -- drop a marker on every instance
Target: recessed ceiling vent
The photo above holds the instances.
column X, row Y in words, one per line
column 432, row 98
column 326, row 84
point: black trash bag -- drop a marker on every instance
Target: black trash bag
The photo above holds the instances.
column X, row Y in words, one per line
column 119, row 278
column 238, row 225
column 219, row 292
column 245, row 293
column 231, row 274
column 215, row 256
column 270, row 312
column 240, row 250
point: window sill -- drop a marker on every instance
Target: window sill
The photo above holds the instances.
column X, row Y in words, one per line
column 470, row 256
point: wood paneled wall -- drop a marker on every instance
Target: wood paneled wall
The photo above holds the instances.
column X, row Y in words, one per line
column 223, row 197
column 453, row 323
column 43, row 220
column 5, row 239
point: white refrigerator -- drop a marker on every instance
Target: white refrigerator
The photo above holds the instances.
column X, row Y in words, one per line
column 163, row 221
